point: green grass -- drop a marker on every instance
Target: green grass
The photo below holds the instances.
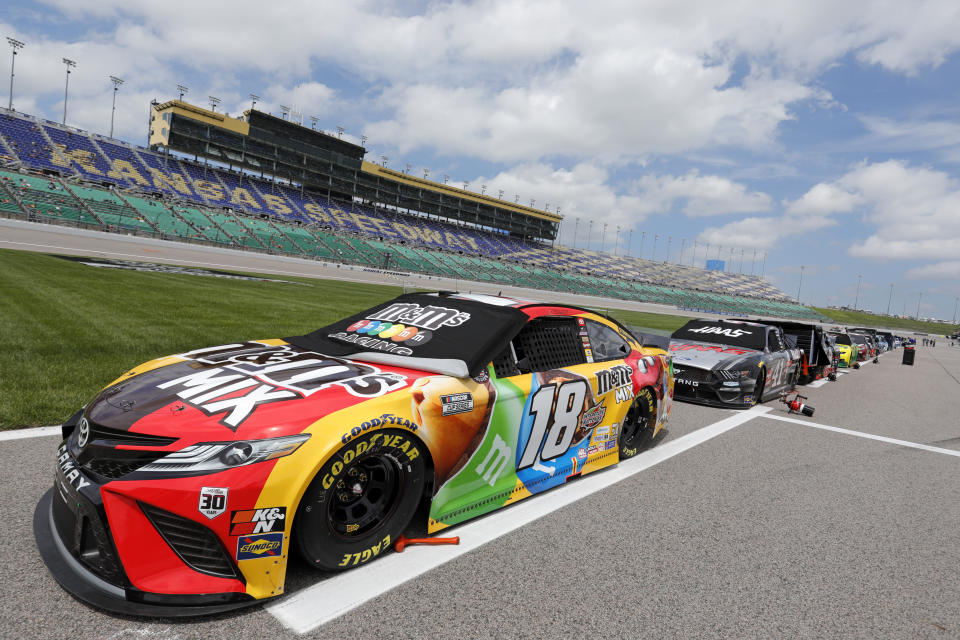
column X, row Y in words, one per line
column 857, row 319
column 650, row 320
column 68, row 329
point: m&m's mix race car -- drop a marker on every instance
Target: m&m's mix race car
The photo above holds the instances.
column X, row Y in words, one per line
column 185, row 485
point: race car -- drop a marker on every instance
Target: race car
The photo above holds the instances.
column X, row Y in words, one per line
column 847, row 350
column 817, row 356
column 731, row 363
column 867, row 348
column 183, row 487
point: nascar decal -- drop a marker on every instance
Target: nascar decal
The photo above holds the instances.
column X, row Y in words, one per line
column 255, row 521
column 675, row 346
column 456, row 403
column 213, row 501
column 250, row 375
column 259, row 546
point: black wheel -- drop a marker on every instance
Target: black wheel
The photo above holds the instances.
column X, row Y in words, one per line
column 363, row 497
column 758, row 390
column 638, row 426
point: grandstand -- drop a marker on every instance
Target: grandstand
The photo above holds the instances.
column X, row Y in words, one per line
column 371, row 217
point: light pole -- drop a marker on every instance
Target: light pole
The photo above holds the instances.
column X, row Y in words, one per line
column 254, row 98
column 890, row 299
column 616, row 245
column 183, row 91
column 629, row 243
column 802, row 267
column 340, row 131
column 753, row 261
column 589, row 235
column 603, row 237
column 213, row 103
column 14, row 44
column 576, row 228
column 284, row 110
column 669, row 243
column 653, row 255
column 763, row 265
column 683, row 247
column 856, row 300
column 955, row 303
column 741, row 261
column 66, row 86
column 113, row 110
column 313, row 121
column 919, row 298
column 693, row 261
column 643, row 237
column 363, row 141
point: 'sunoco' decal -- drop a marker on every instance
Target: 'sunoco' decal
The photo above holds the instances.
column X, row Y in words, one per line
column 259, row 546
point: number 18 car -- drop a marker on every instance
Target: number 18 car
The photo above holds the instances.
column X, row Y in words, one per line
column 183, row 487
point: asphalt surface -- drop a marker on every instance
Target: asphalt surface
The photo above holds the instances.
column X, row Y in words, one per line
column 772, row 529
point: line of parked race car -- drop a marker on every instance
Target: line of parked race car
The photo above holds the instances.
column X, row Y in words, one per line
column 738, row 363
column 186, row 484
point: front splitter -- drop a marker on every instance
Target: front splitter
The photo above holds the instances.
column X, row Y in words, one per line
column 90, row 589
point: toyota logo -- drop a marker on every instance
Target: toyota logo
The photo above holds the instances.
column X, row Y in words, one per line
column 83, row 433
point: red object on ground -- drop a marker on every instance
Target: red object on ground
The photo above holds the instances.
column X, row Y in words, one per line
column 402, row 542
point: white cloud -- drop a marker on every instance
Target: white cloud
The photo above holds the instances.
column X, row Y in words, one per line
column 512, row 80
column 907, row 213
column 707, row 195
column 946, row 270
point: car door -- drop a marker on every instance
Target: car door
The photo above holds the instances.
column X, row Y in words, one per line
column 545, row 425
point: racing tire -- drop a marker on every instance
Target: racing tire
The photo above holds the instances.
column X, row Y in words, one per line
column 758, row 390
column 856, row 365
column 638, row 425
column 361, row 500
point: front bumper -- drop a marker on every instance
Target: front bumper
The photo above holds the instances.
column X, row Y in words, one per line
column 712, row 392
column 79, row 546
column 88, row 587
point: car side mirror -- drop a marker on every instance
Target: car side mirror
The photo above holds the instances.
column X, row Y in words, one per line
column 523, row 365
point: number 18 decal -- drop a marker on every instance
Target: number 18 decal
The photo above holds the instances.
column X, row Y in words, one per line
column 556, row 412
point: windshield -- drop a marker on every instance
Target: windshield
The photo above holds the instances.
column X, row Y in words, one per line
column 738, row 334
column 858, row 338
column 840, row 338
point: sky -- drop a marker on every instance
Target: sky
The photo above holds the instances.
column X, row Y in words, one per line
column 815, row 142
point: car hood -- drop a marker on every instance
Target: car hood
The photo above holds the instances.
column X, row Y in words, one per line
column 703, row 355
column 243, row 390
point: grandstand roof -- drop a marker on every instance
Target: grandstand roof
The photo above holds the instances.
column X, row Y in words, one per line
column 266, row 144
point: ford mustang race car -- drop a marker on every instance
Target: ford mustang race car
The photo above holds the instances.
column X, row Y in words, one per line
column 731, row 363
column 183, row 487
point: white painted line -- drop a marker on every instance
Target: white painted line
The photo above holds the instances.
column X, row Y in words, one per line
column 870, row 436
column 35, row 432
column 313, row 606
column 816, row 384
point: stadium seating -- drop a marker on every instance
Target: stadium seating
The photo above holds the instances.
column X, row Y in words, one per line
column 162, row 195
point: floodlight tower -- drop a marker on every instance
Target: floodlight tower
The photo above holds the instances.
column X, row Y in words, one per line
column 15, row 45
column 182, row 90
column 70, row 63
column 113, row 109
column 254, row 98
column 213, row 102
